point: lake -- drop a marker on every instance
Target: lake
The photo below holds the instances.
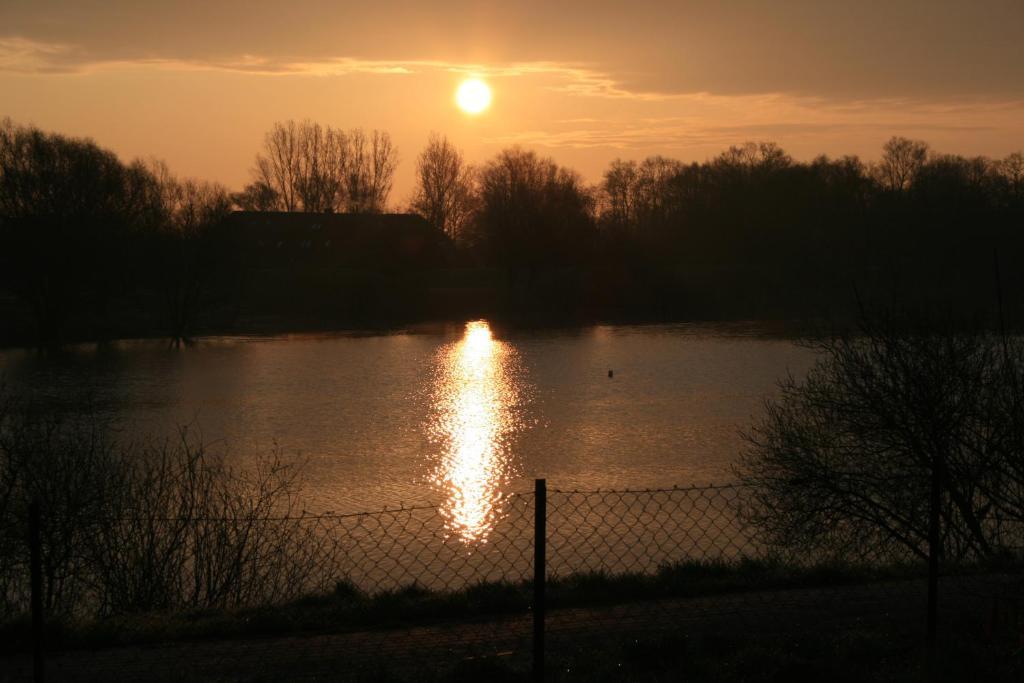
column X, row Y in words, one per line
column 456, row 417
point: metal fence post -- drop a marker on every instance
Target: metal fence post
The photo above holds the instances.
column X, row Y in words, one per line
column 36, row 569
column 539, row 574
column 934, row 541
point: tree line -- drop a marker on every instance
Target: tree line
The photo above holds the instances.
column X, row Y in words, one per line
column 749, row 233
column 93, row 246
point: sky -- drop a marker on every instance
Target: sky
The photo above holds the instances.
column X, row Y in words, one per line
column 197, row 84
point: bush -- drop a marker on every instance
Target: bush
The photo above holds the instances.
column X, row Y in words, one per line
column 141, row 527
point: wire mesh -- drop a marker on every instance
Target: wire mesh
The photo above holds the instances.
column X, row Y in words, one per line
column 399, row 592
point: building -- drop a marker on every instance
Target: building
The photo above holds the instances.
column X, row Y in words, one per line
column 387, row 241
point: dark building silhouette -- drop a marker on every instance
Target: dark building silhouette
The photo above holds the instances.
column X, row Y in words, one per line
column 309, row 240
column 322, row 270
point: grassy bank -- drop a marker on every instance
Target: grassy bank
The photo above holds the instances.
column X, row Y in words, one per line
column 348, row 609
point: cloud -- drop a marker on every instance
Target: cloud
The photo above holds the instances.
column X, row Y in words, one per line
column 602, row 48
column 597, row 109
column 26, row 56
column 725, row 120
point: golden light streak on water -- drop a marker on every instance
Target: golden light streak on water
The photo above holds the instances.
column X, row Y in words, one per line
column 476, row 411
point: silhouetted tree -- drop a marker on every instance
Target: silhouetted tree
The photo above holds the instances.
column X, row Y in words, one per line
column 191, row 250
column 902, row 158
column 618, row 195
column 843, row 460
column 1012, row 170
column 308, row 167
column 953, row 182
column 257, row 196
column 749, row 232
column 637, row 197
column 370, row 171
column 533, row 213
column 750, row 156
column 446, row 195
column 68, row 213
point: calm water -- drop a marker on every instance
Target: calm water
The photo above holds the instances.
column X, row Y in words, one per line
column 456, row 418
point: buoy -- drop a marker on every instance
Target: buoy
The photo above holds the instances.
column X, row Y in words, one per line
column 611, row 373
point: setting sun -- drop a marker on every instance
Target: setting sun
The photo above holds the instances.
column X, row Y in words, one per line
column 473, row 96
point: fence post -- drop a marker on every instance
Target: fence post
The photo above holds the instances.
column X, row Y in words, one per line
column 934, row 541
column 36, row 577
column 539, row 574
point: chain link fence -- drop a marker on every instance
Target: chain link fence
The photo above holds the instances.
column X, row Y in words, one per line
column 634, row 578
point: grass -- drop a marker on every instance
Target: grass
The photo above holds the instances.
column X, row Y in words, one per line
column 848, row 656
column 348, row 608
column 857, row 652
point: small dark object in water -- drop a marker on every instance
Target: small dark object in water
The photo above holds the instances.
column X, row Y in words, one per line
column 611, row 373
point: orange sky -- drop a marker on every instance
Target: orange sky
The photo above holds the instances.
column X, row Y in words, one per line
column 198, row 83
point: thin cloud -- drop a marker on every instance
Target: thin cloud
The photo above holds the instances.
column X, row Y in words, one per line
column 25, row 56
column 789, row 120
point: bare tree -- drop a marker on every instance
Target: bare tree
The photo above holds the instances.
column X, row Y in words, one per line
column 618, row 192
column 308, row 167
column 845, row 460
column 277, row 168
column 652, row 189
column 445, row 195
column 1012, row 169
column 902, row 158
column 370, row 171
column 302, row 166
column 189, row 247
column 636, row 196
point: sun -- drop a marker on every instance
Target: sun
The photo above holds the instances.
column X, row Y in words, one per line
column 473, row 96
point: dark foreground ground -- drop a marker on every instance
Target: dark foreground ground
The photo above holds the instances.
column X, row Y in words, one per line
column 850, row 633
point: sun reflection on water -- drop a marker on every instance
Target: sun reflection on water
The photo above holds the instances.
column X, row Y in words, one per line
column 476, row 411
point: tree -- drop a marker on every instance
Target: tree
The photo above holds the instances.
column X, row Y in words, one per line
column 765, row 156
column 370, row 171
column 639, row 196
column 189, row 249
column 533, row 212
column 902, row 158
column 1012, row 170
column 308, row 167
column 446, row 194
column 256, row 196
column 951, row 181
column 619, row 194
column 844, row 460
column 68, row 213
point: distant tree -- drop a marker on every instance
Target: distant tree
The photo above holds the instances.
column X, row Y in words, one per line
column 653, row 198
column 902, row 158
column 370, row 171
column 308, row 167
column 765, row 156
column 257, row 196
column 1012, row 170
column 445, row 195
column 639, row 196
column 68, row 213
column 954, row 183
column 844, row 460
column 618, row 192
column 533, row 213
column 190, row 249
